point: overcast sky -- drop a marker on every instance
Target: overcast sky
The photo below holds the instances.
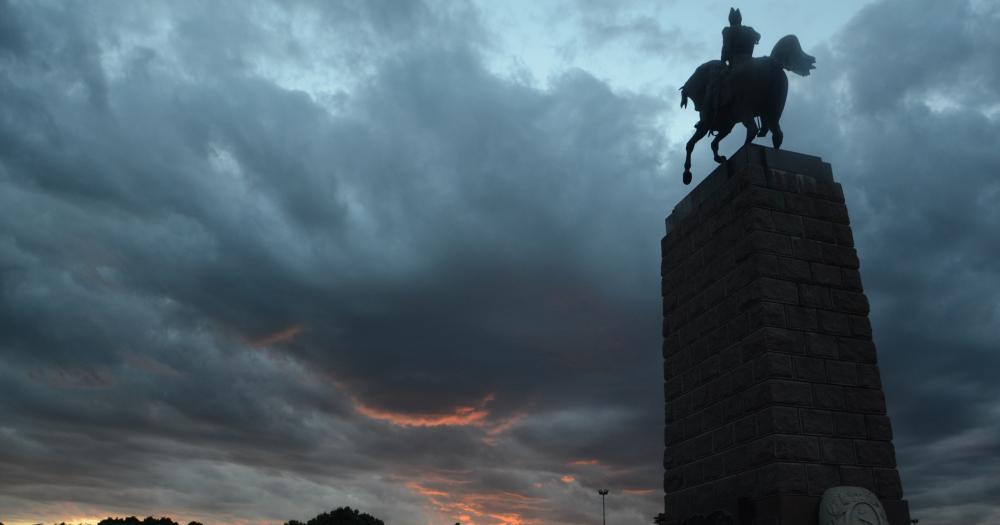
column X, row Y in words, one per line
column 262, row 259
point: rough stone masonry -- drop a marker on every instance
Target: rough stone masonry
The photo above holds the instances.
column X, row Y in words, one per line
column 772, row 385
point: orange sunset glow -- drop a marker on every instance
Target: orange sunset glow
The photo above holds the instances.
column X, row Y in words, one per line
column 475, row 507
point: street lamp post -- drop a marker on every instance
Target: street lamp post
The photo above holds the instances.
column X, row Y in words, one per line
column 603, row 492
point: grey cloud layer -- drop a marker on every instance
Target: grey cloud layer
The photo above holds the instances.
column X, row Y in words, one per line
column 431, row 236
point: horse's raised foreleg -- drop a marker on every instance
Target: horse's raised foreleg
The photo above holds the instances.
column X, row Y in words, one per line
column 699, row 131
column 718, row 138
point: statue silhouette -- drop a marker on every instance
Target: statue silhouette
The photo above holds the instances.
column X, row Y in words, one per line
column 739, row 88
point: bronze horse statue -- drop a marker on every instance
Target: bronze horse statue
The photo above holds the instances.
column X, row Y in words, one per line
column 757, row 87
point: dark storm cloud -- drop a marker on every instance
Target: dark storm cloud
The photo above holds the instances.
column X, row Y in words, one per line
column 204, row 271
column 908, row 103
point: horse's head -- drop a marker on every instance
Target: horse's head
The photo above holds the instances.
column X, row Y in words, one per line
column 790, row 55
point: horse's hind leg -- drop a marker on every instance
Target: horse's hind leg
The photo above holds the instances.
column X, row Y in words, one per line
column 776, row 135
column 751, row 130
column 699, row 131
column 718, row 138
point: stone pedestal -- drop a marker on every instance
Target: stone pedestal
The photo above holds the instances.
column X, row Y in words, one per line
column 772, row 386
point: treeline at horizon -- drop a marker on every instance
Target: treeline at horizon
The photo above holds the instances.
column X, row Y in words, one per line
column 340, row 516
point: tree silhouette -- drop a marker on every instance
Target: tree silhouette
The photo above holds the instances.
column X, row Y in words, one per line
column 341, row 516
column 132, row 520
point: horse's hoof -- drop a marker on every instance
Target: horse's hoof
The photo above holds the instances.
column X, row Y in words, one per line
column 687, row 177
column 720, row 158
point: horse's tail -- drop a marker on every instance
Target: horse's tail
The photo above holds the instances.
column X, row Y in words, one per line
column 697, row 85
column 789, row 54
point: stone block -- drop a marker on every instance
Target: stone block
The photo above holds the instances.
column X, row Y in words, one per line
column 720, row 388
column 789, row 392
column 866, row 400
column 673, row 480
column 764, row 314
column 814, row 296
column 826, row 274
column 783, row 340
column 806, row 249
column 722, row 438
column 787, row 223
column 837, row 451
column 829, row 396
column 868, row 375
column 796, row 448
column 778, row 420
column 857, row 477
column 763, row 242
column 673, row 387
column 742, row 377
column 849, row 425
column 818, row 230
column 887, row 484
column 769, row 289
column 714, row 467
column 842, row 256
column 673, row 434
column 755, row 397
column 849, row 302
column 744, row 429
column 792, row 269
column 834, row 212
column 801, row 318
column 809, row 369
column 692, row 473
column 691, row 425
column 756, row 219
column 691, row 379
column 772, row 365
column 822, row 477
column 782, row 478
column 761, row 451
column 709, row 367
column 711, row 418
column 701, row 446
column 842, row 372
column 730, row 358
column 821, row 345
column 817, row 421
column 802, row 205
column 875, row 453
column 879, row 427
column 843, row 235
column 736, row 459
column 833, row 322
column 699, row 398
column 851, row 279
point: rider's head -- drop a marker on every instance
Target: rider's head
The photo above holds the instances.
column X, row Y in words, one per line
column 735, row 18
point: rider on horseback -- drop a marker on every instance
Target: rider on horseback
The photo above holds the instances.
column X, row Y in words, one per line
column 738, row 42
column 742, row 89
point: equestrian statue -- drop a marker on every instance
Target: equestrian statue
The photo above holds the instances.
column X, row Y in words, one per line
column 740, row 88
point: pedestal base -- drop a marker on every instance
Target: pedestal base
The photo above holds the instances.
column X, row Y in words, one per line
column 804, row 510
